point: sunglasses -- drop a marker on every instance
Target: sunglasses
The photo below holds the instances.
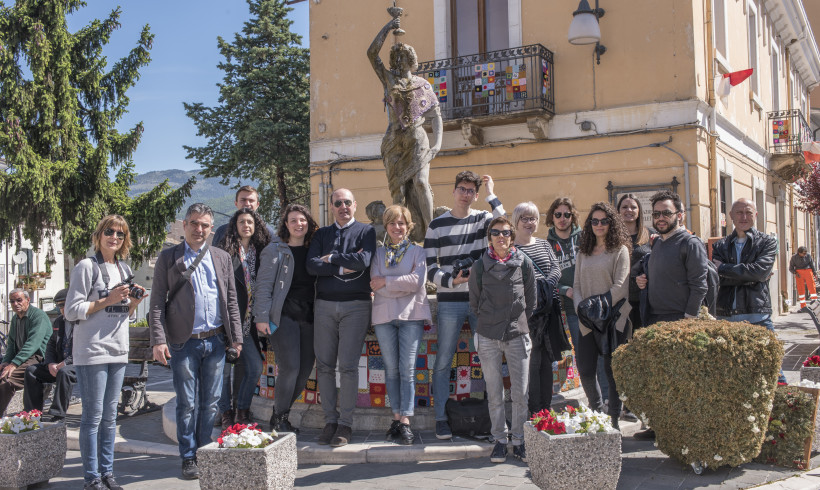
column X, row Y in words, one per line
column 565, row 215
column 111, row 232
column 665, row 213
column 505, row 233
column 602, row 221
column 346, row 202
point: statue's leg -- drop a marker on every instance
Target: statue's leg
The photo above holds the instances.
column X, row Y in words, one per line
column 422, row 198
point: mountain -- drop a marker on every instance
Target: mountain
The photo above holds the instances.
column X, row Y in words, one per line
column 206, row 190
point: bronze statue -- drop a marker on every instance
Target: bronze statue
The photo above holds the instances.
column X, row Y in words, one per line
column 405, row 149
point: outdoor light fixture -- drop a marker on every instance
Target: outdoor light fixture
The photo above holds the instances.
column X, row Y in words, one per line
column 584, row 28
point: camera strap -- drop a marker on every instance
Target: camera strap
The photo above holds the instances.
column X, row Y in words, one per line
column 100, row 262
column 186, row 276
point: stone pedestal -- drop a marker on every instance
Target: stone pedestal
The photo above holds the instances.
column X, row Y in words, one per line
column 573, row 460
column 810, row 373
column 16, row 403
column 273, row 466
column 32, row 457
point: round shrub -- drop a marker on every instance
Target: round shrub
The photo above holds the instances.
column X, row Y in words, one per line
column 789, row 426
column 704, row 386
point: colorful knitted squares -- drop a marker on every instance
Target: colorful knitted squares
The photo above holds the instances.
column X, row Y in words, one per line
column 463, row 345
column 463, row 387
column 311, row 385
column 463, row 358
column 476, row 373
column 422, row 389
column 421, row 362
column 363, row 400
column 263, row 392
column 375, row 362
column 423, row 401
column 478, row 385
column 271, row 381
column 378, row 389
column 422, row 376
column 474, row 360
column 453, row 374
column 375, row 376
column 452, row 390
column 310, row 396
column 432, row 347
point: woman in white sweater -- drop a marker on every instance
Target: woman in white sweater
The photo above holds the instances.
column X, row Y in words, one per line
column 602, row 267
column 400, row 308
column 100, row 304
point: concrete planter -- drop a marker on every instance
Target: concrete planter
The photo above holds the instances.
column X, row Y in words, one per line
column 273, row 466
column 32, row 457
column 810, row 373
column 573, row 460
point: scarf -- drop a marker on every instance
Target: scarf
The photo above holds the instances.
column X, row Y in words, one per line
column 495, row 256
column 393, row 253
column 248, row 267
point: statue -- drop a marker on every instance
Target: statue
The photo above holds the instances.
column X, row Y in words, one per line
column 375, row 213
column 405, row 149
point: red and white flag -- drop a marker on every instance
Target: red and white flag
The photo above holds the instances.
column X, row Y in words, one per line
column 729, row 80
column 811, row 151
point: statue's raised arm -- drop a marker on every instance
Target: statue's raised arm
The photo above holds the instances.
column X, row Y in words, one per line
column 376, row 47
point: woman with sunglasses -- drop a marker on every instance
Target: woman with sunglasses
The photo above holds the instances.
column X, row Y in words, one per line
column 397, row 276
column 525, row 219
column 284, row 309
column 503, row 296
column 602, row 268
column 246, row 236
column 100, row 303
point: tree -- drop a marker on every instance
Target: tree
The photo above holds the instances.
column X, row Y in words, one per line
column 260, row 129
column 59, row 108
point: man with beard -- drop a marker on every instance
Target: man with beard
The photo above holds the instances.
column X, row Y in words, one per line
column 677, row 264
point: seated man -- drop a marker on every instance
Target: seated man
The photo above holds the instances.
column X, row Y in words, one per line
column 27, row 340
column 56, row 367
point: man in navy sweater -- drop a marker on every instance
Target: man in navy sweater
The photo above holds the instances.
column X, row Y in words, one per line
column 340, row 255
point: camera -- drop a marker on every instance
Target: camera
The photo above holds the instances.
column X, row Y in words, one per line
column 134, row 291
column 231, row 355
column 462, row 265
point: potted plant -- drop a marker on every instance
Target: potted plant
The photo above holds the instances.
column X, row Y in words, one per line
column 810, row 369
column 246, row 457
column 32, row 451
column 577, row 448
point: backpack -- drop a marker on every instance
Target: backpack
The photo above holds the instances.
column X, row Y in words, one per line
column 712, row 278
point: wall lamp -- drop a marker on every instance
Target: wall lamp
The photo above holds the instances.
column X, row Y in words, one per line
column 584, row 28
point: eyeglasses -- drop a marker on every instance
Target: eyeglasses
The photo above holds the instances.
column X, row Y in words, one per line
column 112, row 232
column 346, row 202
column 465, row 191
column 60, row 305
column 528, row 219
column 565, row 215
column 505, row 233
column 665, row 213
column 18, row 300
column 602, row 221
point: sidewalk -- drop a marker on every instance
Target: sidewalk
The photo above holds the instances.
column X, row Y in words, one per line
column 147, row 458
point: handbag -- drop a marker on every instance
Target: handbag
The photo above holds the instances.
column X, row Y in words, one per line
column 468, row 417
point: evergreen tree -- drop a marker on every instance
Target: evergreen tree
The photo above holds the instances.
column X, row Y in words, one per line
column 58, row 111
column 260, row 129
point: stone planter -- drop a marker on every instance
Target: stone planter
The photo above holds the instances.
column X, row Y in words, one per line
column 573, row 460
column 32, row 457
column 273, row 466
column 810, row 373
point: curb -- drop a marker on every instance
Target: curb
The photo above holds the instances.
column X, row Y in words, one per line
column 122, row 445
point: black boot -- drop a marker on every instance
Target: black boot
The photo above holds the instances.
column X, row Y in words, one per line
column 284, row 425
column 274, row 420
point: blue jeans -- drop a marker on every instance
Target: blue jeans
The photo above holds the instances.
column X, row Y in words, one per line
column 399, row 344
column 575, row 334
column 196, row 368
column 251, row 361
column 100, row 386
column 451, row 316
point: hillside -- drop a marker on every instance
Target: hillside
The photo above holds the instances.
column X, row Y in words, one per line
column 209, row 191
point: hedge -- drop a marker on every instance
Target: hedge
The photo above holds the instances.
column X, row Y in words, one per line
column 705, row 386
column 790, row 425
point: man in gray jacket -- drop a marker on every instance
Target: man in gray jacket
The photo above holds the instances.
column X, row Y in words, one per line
column 198, row 321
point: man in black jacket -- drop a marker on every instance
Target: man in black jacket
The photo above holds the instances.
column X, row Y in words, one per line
column 745, row 260
column 57, row 367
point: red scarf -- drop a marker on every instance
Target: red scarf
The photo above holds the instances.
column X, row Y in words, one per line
column 495, row 256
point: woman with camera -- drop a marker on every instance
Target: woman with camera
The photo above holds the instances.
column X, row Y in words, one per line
column 602, row 284
column 284, row 309
column 397, row 276
column 246, row 237
column 100, row 300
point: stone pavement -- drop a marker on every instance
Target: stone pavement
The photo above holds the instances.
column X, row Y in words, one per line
column 644, row 467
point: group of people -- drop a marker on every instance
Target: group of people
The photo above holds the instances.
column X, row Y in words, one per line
column 312, row 293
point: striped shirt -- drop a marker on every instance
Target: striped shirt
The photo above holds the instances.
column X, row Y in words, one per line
column 449, row 239
column 540, row 253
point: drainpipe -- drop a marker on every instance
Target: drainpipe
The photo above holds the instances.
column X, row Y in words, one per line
column 714, row 178
column 687, row 201
column 322, row 204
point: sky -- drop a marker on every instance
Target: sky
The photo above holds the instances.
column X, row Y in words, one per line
column 182, row 68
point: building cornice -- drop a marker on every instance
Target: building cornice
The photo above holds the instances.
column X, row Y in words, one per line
column 793, row 28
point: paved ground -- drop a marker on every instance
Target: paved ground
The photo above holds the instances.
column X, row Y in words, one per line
column 644, row 467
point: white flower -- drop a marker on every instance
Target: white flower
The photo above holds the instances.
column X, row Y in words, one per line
column 770, row 406
column 770, row 438
column 623, row 397
column 655, row 444
column 755, row 395
column 684, row 451
column 720, row 340
column 718, row 458
column 750, row 418
column 763, row 381
column 755, row 429
column 747, row 406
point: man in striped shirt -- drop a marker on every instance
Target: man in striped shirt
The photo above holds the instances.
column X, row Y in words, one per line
column 451, row 238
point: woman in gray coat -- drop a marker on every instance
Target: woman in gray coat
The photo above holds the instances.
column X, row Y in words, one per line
column 284, row 309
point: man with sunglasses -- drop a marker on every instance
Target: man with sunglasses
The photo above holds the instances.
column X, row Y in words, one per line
column 339, row 255
column 26, row 344
column 456, row 238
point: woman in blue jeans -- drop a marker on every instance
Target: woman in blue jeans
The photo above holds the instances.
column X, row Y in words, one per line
column 400, row 308
column 101, row 312
column 247, row 235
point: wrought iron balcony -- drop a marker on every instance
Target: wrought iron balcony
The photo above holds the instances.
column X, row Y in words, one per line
column 788, row 131
column 509, row 82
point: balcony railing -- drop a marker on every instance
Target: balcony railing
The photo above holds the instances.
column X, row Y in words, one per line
column 505, row 82
column 789, row 130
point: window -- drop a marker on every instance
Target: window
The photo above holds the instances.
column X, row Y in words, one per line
column 719, row 17
column 775, row 78
column 760, row 204
column 725, row 203
column 479, row 26
column 752, row 33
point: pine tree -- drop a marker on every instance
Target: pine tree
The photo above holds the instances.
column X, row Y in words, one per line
column 59, row 107
column 260, row 129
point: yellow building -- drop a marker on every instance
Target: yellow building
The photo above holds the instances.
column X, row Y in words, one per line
column 641, row 116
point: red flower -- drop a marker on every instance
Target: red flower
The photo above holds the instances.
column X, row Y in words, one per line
column 774, row 443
